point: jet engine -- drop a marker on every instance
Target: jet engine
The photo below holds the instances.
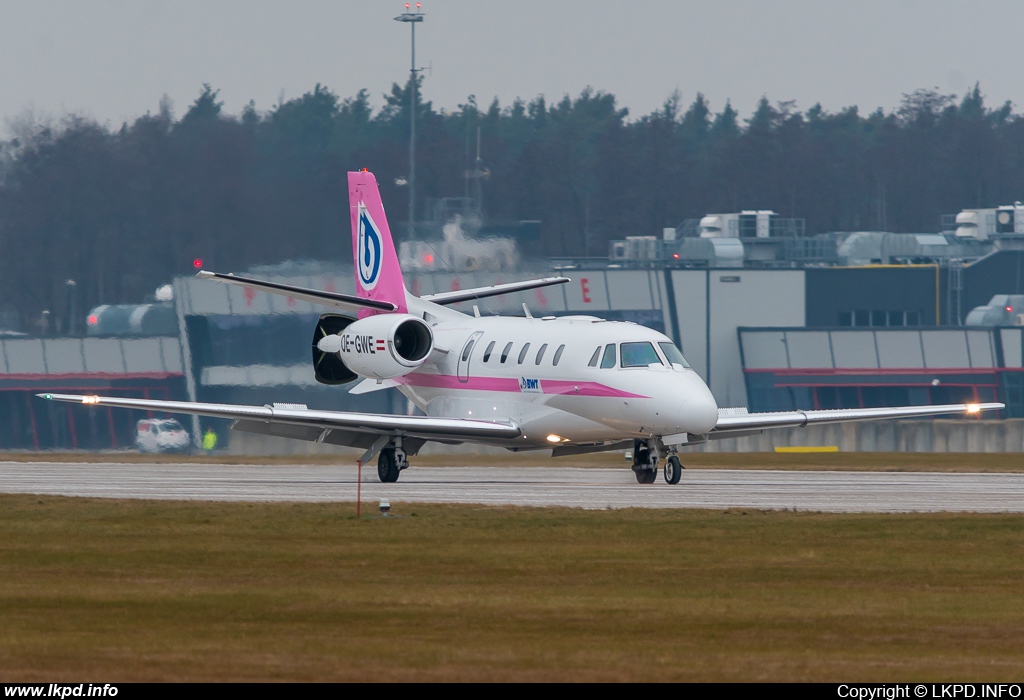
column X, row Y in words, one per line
column 379, row 347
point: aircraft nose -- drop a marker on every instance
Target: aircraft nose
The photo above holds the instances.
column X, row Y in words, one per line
column 699, row 411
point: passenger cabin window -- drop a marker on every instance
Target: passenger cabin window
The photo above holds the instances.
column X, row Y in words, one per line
column 558, row 355
column 594, row 359
column 522, row 353
column 468, row 350
column 608, row 360
column 673, row 355
column 540, row 353
column 487, row 352
column 639, row 355
column 505, row 352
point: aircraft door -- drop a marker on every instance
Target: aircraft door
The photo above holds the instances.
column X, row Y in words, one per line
column 467, row 355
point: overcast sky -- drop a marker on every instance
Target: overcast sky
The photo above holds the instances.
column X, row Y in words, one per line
column 112, row 60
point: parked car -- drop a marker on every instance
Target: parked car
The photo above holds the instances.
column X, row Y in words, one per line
column 162, row 435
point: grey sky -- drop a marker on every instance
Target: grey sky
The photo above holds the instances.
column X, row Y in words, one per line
column 113, row 59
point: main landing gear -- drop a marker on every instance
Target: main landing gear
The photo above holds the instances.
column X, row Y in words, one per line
column 645, row 464
column 390, row 464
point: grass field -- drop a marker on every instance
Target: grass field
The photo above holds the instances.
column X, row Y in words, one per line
column 852, row 461
column 103, row 590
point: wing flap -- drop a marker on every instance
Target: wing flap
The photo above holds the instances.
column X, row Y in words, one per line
column 345, row 302
column 445, row 298
column 380, row 424
column 730, row 423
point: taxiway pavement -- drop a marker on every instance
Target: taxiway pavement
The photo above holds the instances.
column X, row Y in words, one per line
column 836, row 491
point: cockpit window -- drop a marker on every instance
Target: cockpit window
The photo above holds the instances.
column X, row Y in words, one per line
column 609, row 356
column 673, row 355
column 595, row 358
column 639, row 355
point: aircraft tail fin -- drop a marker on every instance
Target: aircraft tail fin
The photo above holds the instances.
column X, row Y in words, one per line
column 378, row 274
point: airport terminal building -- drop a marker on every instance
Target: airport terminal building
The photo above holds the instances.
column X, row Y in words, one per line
column 771, row 333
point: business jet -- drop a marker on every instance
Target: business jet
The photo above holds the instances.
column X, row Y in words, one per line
column 572, row 384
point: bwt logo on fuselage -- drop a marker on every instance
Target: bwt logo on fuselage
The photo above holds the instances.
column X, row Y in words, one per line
column 529, row 386
column 368, row 250
column 362, row 344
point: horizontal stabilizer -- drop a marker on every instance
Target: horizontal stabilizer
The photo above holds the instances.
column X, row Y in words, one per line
column 416, row 426
column 346, row 302
column 737, row 422
column 445, row 298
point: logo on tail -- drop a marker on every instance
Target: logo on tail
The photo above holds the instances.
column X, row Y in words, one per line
column 368, row 250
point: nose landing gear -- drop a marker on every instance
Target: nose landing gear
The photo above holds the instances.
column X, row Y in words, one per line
column 673, row 470
column 645, row 464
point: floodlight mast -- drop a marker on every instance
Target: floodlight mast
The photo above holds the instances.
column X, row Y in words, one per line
column 412, row 18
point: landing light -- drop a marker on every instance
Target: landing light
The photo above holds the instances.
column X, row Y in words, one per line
column 554, row 438
column 90, row 399
column 973, row 408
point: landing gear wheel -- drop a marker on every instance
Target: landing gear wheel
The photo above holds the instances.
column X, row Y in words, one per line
column 646, row 476
column 387, row 467
column 673, row 470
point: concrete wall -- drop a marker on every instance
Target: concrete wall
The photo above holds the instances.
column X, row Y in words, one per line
column 888, row 436
column 738, row 298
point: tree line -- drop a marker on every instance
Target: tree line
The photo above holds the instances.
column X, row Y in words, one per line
column 120, row 210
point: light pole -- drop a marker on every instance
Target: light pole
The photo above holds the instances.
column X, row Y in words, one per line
column 412, row 18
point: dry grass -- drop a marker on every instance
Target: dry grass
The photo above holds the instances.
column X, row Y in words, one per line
column 845, row 461
column 106, row 590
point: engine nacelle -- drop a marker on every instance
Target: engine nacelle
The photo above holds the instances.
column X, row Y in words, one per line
column 382, row 346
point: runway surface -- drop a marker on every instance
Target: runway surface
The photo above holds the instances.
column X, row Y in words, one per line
column 883, row 492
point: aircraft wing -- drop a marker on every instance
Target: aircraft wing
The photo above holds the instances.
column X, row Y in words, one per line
column 345, row 302
column 445, row 298
column 425, row 427
column 729, row 423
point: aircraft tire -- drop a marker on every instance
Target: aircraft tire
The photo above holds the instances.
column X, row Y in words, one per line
column 387, row 467
column 673, row 470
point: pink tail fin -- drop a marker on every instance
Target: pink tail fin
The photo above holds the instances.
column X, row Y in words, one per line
column 378, row 275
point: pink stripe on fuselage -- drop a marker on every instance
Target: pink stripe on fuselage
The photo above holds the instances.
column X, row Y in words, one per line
column 511, row 385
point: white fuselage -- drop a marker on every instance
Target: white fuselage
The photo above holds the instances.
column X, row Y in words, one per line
column 540, row 373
